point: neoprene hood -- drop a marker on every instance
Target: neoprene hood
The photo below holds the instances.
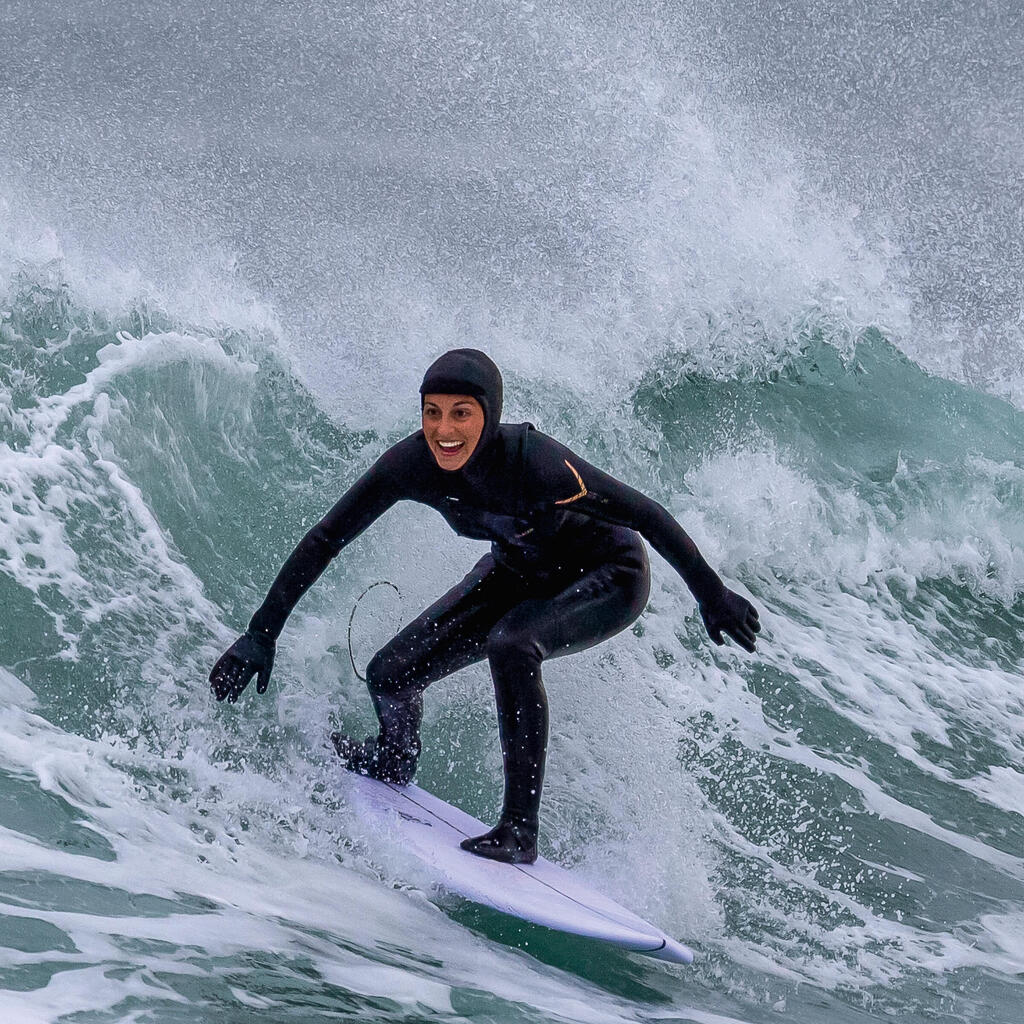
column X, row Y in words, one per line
column 468, row 371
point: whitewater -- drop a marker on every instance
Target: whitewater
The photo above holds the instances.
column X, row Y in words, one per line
column 761, row 262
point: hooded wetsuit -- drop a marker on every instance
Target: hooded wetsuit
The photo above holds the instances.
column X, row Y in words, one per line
column 566, row 570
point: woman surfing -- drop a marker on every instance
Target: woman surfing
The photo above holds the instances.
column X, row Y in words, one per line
column 567, row 569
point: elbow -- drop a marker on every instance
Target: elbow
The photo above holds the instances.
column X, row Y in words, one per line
column 322, row 542
column 668, row 537
column 658, row 521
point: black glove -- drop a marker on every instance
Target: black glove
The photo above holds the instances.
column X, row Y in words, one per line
column 249, row 654
column 733, row 614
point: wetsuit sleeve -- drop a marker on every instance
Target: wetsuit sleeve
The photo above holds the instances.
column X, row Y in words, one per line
column 558, row 478
column 367, row 499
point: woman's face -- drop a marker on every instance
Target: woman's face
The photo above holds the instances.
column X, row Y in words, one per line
column 452, row 425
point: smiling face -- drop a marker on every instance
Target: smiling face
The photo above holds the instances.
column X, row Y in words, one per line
column 452, row 425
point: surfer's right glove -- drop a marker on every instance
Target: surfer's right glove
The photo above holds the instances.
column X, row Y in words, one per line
column 733, row 614
column 251, row 654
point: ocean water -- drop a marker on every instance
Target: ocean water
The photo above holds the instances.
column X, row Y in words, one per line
column 761, row 262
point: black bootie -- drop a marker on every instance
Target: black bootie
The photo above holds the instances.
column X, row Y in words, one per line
column 392, row 754
column 512, row 841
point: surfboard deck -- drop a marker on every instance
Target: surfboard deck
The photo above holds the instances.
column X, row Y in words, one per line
column 541, row 893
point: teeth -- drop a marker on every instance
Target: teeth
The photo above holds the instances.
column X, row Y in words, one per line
column 450, row 445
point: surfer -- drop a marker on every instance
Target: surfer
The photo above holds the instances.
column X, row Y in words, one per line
column 566, row 570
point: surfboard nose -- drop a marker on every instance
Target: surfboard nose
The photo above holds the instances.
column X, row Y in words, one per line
column 674, row 952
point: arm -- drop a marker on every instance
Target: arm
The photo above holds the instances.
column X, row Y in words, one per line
column 559, row 477
column 253, row 652
column 366, row 500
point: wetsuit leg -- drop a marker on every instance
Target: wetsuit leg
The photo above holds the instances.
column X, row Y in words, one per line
column 595, row 607
column 449, row 635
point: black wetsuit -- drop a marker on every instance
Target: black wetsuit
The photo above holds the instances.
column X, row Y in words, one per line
column 566, row 570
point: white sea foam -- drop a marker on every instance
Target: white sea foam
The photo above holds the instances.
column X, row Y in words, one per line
column 256, row 897
column 755, row 512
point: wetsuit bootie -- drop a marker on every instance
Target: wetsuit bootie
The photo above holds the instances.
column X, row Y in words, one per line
column 512, row 842
column 377, row 760
column 392, row 754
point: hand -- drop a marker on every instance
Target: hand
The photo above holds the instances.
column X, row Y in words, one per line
column 251, row 653
column 736, row 616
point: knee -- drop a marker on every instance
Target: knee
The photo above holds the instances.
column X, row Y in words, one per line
column 505, row 644
column 641, row 595
column 386, row 675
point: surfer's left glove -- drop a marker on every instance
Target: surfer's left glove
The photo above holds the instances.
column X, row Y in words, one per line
column 252, row 654
column 733, row 614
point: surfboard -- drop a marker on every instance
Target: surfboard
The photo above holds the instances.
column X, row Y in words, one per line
column 542, row 893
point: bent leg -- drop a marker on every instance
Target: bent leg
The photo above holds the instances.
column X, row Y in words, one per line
column 447, row 636
column 593, row 608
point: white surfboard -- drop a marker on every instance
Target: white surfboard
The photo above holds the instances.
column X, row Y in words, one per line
column 541, row 893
